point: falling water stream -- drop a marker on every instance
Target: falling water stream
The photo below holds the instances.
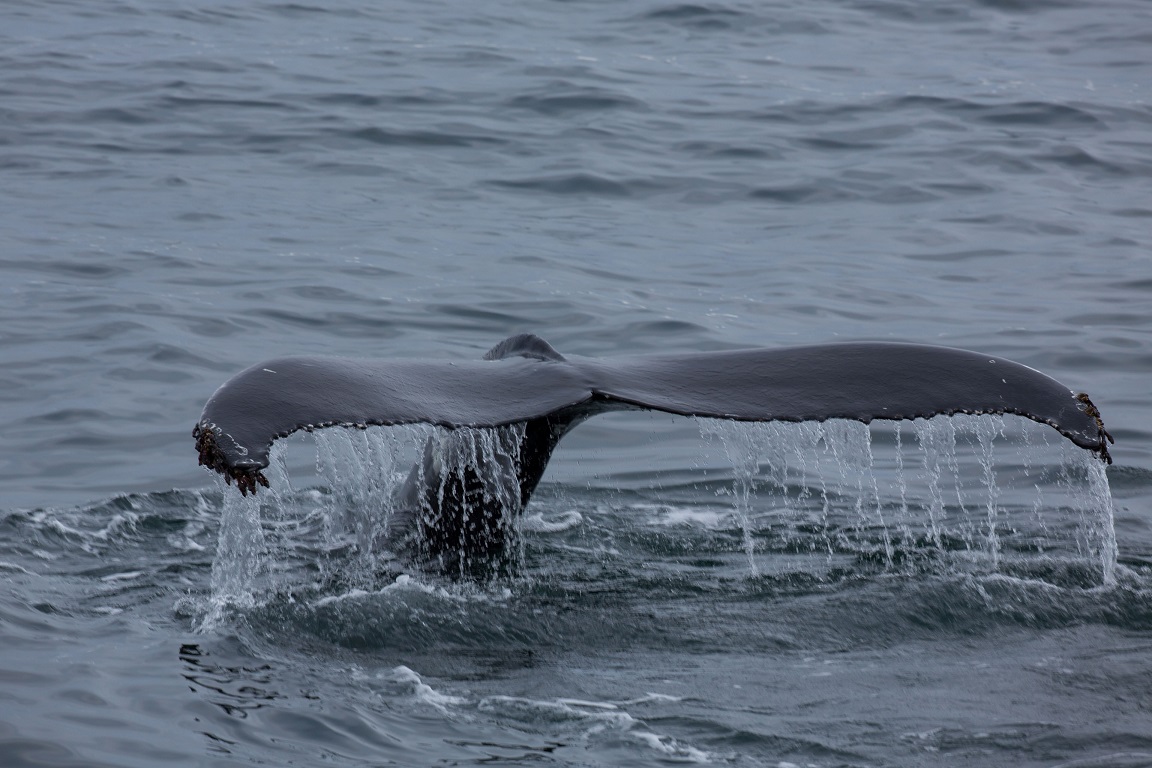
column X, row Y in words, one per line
column 974, row 493
column 960, row 489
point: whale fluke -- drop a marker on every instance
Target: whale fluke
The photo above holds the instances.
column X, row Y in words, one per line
column 451, row 509
column 524, row 380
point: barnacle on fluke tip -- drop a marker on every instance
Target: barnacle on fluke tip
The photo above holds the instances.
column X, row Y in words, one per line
column 1092, row 411
column 247, row 478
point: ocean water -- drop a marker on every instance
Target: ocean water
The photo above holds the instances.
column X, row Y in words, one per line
column 189, row 188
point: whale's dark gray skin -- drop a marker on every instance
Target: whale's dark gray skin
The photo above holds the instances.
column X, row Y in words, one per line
column 523, row 380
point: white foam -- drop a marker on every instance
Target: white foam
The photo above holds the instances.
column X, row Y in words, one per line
column 463, row 593
column 537, row 523
column 710, row 518
column 126, row 576
column 669, row 746
column 650, row 697
column 423, row 692
column 351, row 594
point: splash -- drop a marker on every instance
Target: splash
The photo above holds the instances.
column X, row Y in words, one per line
column 977, row 492
column 348, row 530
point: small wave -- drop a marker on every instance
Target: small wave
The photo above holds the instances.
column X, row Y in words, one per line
column 960, row 256
column 596, row 718
column 118, row 115
column 697, row 16
column 401, row 138
column 804, row 193
column 299, row 9
column 1079, row 159
column 377, row 101
column 700, row 189
column 549, row 102
column 1029, row 6
column 1112, row 760
column 199, row 103
column 570, row 184
column 1040, row 114
column 423, row 692
column 723, row 150
column 112, row 524
column 898, row 113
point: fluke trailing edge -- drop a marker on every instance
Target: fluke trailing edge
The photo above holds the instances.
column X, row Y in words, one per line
column 523, row 380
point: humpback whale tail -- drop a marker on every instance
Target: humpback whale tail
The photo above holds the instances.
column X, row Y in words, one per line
column 524, row 381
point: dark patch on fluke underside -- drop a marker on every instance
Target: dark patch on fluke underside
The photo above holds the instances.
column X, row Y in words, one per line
column 523, row 379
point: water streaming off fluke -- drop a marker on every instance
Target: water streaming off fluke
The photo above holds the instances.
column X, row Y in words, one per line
column 957, row 494
column 972, row 490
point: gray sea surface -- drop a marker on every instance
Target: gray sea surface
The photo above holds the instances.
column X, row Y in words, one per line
column 189, row 188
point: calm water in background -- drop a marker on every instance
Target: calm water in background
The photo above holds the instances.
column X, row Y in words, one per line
column 187, row 190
